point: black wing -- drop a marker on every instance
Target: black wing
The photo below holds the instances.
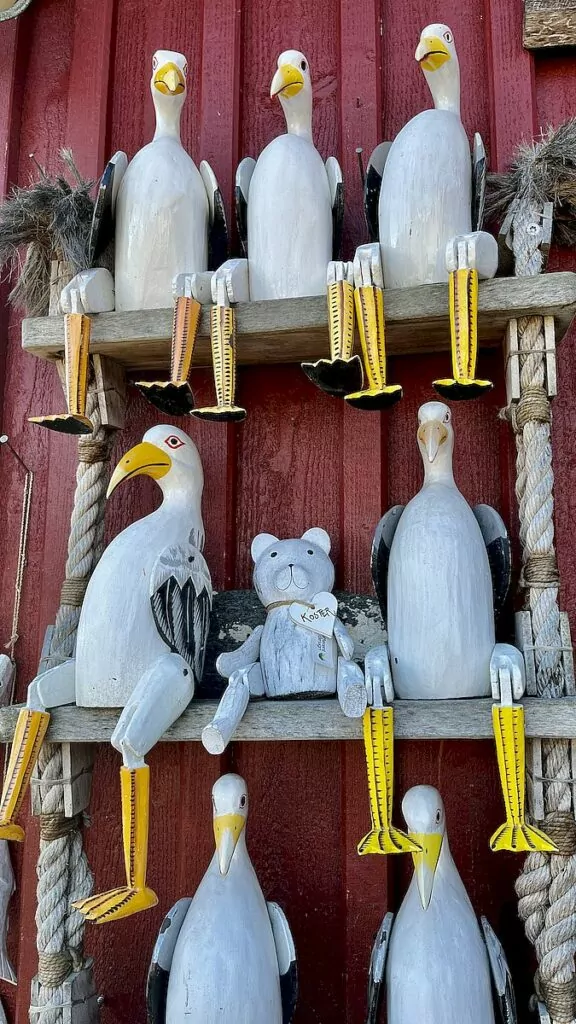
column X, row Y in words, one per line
column 218, row 241
column 336, row 184
column 376, row 976
column 479, row 170
column 497, row 544
column 243, row 178
column 501, row 977
column 381, row 545
column 287, row 964
column 181, row 600
column 102, row 229
column 159, row 970
column 372, row 184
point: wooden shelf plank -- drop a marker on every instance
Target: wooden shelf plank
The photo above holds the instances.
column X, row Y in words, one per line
column 293, row 330
column 318, row 720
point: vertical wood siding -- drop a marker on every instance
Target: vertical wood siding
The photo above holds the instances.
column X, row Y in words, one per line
column 75, row 72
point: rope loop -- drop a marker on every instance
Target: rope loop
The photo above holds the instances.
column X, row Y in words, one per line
column 561, row 827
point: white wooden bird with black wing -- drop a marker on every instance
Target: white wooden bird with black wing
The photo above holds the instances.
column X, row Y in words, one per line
column 441, row 571
column 225, row 956
column 433, row 960
column 140, row 646
column 424, row 203
column 289, row 211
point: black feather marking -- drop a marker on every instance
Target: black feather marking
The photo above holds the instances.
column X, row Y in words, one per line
column 372, row 187
column 337, row 221
column 218, row 241
column 289, row 992
column 381, row 546
column 241, row 219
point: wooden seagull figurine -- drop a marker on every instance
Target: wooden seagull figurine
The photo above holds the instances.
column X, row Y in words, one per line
column 441, row 572
column 226, row 955
column 434, row 961
column 289, row 209
column 424, row 200
column 140, row 646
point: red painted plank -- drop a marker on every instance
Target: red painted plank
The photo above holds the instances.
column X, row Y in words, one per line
column 510, row 80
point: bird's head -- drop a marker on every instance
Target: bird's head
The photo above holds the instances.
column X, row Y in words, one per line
column 436, row 55
column 293, row 87
column 168, row 84
column 435, row 435
column 169, row 456
column 423, row 812
column 230, row 810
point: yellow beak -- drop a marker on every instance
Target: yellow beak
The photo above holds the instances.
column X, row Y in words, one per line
column 227, row 831
column 432, row 53
column 425, row 863
column 144, row 458
column 288, row 81
column 169, row 79
column 432, row 434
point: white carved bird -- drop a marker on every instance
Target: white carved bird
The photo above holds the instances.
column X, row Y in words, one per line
column 226, row 955
column 441, row 571
column 434, row 961
column 140, row 646
column 289, row 202
column 166, row 207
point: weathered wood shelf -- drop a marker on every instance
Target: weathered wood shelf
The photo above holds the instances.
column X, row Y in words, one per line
column 318, row 720
column 293, row 330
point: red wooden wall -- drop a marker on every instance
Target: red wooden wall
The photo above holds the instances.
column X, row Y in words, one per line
column 76, row 72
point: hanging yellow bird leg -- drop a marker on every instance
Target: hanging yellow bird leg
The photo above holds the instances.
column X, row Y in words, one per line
column 369, row 300
column 378, row 725
column 463, row 301
column 508, row 724
column 223, row 342
column 174, row 396
column 341, row 373
column 76, row 351
column 135, row 895
column 28, row 737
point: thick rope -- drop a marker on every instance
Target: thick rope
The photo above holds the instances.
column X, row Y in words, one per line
column 63, row 872
column 546, row 888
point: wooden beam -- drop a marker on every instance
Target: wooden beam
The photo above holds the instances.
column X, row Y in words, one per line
column 549, row 23
column 292, row 330
column 290, row 720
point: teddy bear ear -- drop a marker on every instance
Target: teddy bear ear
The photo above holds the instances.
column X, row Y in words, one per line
column 260, row 543
column 318, row 536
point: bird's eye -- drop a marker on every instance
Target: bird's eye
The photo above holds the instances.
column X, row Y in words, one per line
column 447, row 417
column 185, row 70
column 303, row 65
column 243, row 801
column 154, row 63
column 438, row 816
column 174, row 442
column 273, row 554
column 309, row 552
column 448, row 37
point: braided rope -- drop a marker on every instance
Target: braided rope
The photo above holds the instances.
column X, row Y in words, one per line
column 546, row 889
column 63, row 872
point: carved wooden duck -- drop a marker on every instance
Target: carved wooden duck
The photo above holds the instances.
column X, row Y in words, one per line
column 226, row 955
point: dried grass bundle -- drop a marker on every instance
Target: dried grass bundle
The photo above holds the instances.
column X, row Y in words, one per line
column 52, row 218
column 542, row 172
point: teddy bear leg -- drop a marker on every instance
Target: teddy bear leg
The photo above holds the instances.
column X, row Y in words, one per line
column 351, row 688
column 217, row 735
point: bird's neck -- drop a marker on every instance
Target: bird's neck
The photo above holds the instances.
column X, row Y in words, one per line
column 168, row 111
column 439, row 472
column 299, row 118
column 180, row 502
column 445, row 88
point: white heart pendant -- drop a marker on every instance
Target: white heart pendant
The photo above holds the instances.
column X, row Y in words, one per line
column 319, row 617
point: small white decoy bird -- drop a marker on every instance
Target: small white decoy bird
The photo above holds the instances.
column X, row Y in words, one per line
column 437, row 965
column 225, row 956
column 441, row 571
column 165, row 205
column 424, row 204
column 289, row 211
column 140, row 646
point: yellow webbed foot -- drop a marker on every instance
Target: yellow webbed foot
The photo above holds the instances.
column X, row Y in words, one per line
column 521, row 839
column 387, row 840
column 116, row 904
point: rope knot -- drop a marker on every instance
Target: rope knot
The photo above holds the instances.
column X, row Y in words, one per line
column 73, row 591
column 560, row 999
column 54, row 968
column 561, row 827
column 56, row 826
column 90, row 451
column 540, row 571
column 534, row 407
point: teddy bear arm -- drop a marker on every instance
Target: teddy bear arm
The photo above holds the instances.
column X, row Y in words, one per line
column 343, row 639
column 243, row 657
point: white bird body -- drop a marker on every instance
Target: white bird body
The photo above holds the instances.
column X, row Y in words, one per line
column 425, row 198
column 437, row 970
column 440, row 601
column 440, row 605
column 289, row 221
column 108, row 665
column 162, row 210
column 225, row 966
